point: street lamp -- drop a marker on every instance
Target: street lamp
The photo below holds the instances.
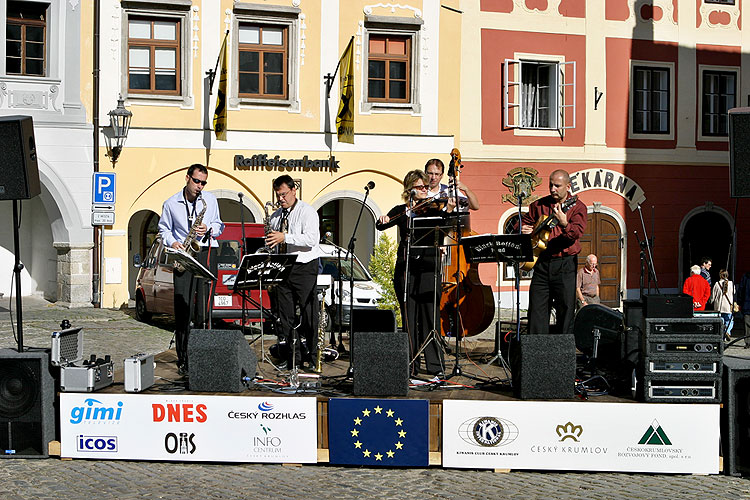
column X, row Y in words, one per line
column 119, row 122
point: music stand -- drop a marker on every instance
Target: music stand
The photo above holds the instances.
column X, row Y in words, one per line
column 496, row 248
column 257, row 270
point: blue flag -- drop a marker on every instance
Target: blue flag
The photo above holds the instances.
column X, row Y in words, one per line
column 379, row 432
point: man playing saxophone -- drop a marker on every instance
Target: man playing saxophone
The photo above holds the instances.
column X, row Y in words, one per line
column 191, row 215
column 295, row 230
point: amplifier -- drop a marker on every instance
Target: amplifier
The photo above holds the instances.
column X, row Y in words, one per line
column 677, row 305
column 681, row 366
column 673, row 346
column 139, row 372
column 679, row 326
column 682, row 390
column 87, row 378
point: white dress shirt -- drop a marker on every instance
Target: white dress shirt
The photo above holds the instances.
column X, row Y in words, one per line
column 303, row 235
column 174, row 224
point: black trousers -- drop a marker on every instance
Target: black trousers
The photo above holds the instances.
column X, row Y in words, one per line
column 190, row 290
column 420, row 312
column 299, row 290
column 553, row 285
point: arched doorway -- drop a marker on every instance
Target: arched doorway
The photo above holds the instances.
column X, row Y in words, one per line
column 230, row 211
column 707, row 233
column 603, row 238
column 338, row 217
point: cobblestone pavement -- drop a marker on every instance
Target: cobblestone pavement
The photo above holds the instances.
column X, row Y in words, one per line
column 117, row 333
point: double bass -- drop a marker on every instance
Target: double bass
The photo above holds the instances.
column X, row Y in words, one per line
column 461, row 283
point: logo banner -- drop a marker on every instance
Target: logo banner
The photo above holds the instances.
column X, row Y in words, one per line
column 620, row 437
column 345, row 115
column 220, row 113
column 379, row 432
column 188, row 428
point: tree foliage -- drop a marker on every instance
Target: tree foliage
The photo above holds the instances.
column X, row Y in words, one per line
column 381, row 267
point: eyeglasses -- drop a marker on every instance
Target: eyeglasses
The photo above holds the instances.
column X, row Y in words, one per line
column 282, row 195
column 198, row 181
column 421, row 188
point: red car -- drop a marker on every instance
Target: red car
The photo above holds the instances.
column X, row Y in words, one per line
column 154, row 292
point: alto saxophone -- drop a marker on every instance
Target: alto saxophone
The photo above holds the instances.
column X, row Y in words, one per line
column 191, row 241
column 267, row 227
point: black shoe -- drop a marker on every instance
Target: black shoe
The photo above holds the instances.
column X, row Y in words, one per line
column 182, row 371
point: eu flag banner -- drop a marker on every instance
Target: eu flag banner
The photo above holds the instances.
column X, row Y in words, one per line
column 379, row 432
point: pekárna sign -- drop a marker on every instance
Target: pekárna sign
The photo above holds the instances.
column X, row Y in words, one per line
column 609, row 180
column 262, row 162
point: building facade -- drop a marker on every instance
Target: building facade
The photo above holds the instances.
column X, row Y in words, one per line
column 631, row 98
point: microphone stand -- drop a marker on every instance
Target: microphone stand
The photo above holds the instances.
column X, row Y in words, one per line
column 243, row 251
column 350, row 256
column 650, row 259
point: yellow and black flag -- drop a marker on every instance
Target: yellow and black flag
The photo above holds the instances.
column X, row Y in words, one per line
column 345, row 116
column 220, row 114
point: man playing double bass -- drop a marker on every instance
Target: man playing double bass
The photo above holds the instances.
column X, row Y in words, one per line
column 554, row 279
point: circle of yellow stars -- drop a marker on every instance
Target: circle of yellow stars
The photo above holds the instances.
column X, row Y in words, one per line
column 398, row 423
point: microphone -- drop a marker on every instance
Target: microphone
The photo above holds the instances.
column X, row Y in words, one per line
column 413, row 193
column 370, row 185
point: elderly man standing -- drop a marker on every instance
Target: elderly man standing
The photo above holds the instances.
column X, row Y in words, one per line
column 587, row 283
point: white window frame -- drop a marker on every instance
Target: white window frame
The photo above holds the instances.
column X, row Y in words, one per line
column 245, row 13
column 387, row 25
column 672, row 101
column 724, row 69
column 176, row 9
column 53, row 50
column 564, row 82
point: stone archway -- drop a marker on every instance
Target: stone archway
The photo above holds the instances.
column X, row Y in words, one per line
column 706, row 232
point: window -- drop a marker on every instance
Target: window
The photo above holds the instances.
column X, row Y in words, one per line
column 539, row 94
column 26, row 38
column 263, row 61
column 651, row 100
column 725, row 2
column 719, row 95
column 388, row 68
column 153, row 55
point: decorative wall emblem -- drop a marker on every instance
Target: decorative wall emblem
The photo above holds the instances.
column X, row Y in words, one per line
column 195, row 38
column 714, row 15
column 393, row 6
column 521, row 181
column 548, row 7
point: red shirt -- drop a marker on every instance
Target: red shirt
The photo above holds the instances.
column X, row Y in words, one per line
column 562, row 240
column 697, row 287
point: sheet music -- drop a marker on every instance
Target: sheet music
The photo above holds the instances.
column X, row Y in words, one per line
column 192, row 265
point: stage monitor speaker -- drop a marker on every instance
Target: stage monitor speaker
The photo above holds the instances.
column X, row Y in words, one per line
column 611, row 326
column 219, row 360
column 544, row 366
column 735, row 416
column 739, row 152
column 18, row 162
column 667, row 305
column 374, row 320
column 381, row 363
column 27, row 400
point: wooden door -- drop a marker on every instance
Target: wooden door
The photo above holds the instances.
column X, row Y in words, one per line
column 603, row 238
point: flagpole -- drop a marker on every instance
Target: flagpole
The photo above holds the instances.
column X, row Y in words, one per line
column 329, row 79
column 212, row 72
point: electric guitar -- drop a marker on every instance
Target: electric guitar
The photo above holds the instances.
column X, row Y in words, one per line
column 542, row 229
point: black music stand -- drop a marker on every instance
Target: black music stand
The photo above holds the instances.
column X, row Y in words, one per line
column 200, row 272
column 496, row 248
column 259, row 270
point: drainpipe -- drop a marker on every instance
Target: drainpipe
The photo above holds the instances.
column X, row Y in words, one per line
column 96, row 269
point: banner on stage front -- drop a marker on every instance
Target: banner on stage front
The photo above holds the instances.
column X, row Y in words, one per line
column 188, row 428
column 620, row 437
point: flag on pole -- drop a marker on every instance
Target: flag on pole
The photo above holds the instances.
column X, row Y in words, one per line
column 345, row 116
column 220, row 114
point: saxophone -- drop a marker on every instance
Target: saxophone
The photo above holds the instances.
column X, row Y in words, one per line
column 191, row 242
column 318, row 368
column 267, row 227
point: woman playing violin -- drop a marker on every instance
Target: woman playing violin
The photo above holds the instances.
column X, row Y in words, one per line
column 417, row 313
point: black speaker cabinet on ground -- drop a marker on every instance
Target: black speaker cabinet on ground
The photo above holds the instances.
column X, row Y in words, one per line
column 373, row 320
column 381, row 363
column 19, row 172
column 544, row 367
column 218, row 360
column 735, row 416
column 27, row 397
column 739, row 152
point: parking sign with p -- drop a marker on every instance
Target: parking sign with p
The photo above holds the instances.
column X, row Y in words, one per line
column 104, row 188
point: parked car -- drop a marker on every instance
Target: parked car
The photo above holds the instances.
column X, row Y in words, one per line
column 154, row 293
column 366, row 293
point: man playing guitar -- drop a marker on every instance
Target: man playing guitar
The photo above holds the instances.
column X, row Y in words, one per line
column 554, row 280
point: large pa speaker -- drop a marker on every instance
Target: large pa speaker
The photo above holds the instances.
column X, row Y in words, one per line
column 739, row 152
column 27, row 398
column 373, row 320
column 735, row 416
column 219, row 361
column 544, row 366
column 381, row 363
column 608, row 323
column 19, row 172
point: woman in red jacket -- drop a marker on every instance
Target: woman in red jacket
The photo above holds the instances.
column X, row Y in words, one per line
column 697, row 287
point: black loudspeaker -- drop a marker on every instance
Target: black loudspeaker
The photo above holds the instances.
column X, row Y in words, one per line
column 27, row 399
column 735, row 416
column 610, row 325
column 667, row 305
column 19, row 172
column 544, row 366
column 739, row 152
column 373, row 320
column 381, row 363
column 218, row 360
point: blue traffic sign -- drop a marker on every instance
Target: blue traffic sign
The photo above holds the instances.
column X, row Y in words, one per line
column 104, row 188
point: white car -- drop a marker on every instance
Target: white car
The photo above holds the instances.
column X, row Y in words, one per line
column 366, row 293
